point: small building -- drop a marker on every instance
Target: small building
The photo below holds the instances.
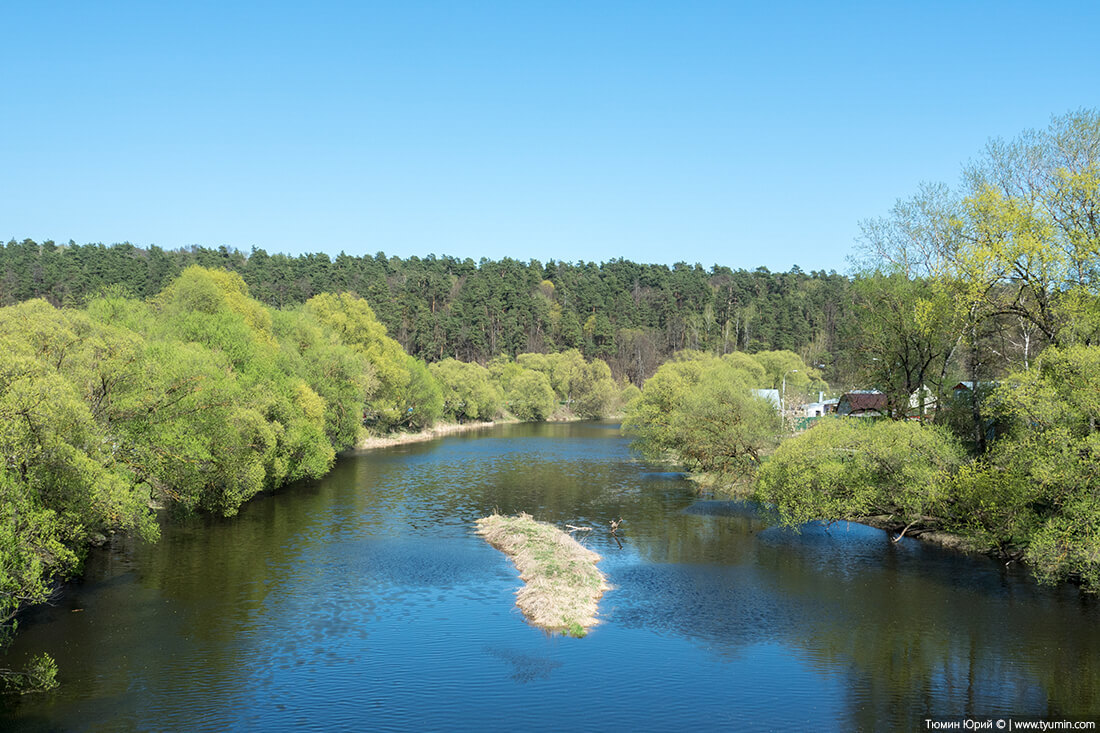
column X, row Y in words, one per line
column 771, row 395
column 929, row 398
column 821, row 408
column 963, row 393
column 862, row 403
column 967, row 388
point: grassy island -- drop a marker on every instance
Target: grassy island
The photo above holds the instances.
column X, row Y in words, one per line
column 562, row 584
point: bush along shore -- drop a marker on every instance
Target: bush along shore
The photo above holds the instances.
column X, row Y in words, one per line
column 562, row 584
column 200, row 398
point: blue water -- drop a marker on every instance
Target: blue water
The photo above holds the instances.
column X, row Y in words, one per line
column 366, row 602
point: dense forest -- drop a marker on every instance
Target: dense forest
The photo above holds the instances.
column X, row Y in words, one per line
column 631, row 315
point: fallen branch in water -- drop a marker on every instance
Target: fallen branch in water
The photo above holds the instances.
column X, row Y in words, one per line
column 615, row 528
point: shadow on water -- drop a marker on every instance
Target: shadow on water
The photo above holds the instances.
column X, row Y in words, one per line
column 366, row 600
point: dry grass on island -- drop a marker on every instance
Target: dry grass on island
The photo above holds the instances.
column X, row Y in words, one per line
column 562, row 584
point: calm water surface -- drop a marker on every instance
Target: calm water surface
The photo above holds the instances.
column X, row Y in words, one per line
column 365, row 602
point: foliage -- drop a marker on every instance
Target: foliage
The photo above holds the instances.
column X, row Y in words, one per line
column 62, row 483
column 848, row 468
column 1031, row 214
column 649, row 419
column 468, row 390
column 58, row 370
column 528, row 394
column 564, row 370
column 981, row 279
column 596, row 394
column 402, row 384
column 32, row 547
column 40, row 675
column 701, row 410
column 631, row 315
column 341, row 376
column 197, row 400
column 722, row 426
column 421, row 401
column 908, row 334
column 1044, row 473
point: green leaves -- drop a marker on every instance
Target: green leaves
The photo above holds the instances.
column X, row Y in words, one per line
column 405, row 395
column 529, row 396
column 468, row 390
column 703, row 411
column 595, row 393
column 850, row 468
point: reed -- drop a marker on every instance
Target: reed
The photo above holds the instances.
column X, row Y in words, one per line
column 562, row 586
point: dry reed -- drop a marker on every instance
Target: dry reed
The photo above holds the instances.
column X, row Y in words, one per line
column 562, row 586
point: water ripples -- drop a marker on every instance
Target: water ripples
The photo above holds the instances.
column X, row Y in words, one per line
column 365, row 601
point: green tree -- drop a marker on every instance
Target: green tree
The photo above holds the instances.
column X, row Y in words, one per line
column 341, row 376
column 849, row 469
column 650, row 418
column 596, row 394
column 1032, row 206
column 62, row 484
column 422, row 398
column 353, row 320
column 700, row 410
column 908, row 333
column 724, row 427
column 1035, row 493
column 468, row 390
column 529, row 395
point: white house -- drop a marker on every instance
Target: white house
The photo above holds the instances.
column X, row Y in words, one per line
column 929, row 401
column 819, row 408
column 771, row 395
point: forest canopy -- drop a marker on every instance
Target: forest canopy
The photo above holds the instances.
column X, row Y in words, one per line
column 632, row 316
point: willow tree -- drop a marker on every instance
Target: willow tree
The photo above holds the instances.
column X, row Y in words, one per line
column 403, row 383
column 702, row 411
column 849, row 469
column 63, row 484
column 468, row 390
column 1034, row 495
column 1035, row 206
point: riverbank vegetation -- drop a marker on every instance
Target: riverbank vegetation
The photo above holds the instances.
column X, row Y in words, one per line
column 201, row 397
column 562, row 586
column 714, row 414
column 190, row 381
column 981, row 301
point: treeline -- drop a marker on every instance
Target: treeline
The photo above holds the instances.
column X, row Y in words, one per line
column 996, row 283
column 633, row 316
column 200, row 397
column 712, row 413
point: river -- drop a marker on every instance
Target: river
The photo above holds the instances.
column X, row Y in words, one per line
column 365, row 601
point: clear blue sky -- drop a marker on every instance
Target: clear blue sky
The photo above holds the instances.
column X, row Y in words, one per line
column 736, row 133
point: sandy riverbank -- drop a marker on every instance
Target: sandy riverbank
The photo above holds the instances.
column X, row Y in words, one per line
column 384, row 441
column 451, row 428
